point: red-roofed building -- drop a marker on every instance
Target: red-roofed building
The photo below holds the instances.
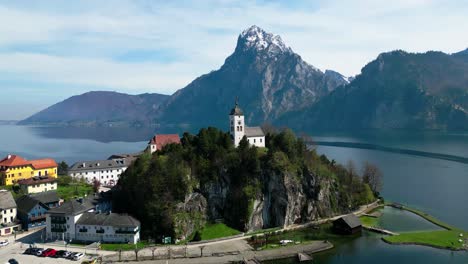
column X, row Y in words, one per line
column 159, row 141
column 14, row 168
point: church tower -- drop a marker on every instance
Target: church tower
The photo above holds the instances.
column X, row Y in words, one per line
column 236, row 124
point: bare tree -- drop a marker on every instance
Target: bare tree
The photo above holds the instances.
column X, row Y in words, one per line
column 373, row 177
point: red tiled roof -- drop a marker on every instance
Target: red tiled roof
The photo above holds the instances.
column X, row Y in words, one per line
column 43, row 163
column 15, row 160
column 164, row 139
column 36, row 180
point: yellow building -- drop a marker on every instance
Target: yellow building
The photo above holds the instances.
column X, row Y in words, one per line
column 14, row 168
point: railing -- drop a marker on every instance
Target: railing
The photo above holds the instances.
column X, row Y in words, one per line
column 33, row 218
column 126, row 231
column 58, row 221
column 58, row 230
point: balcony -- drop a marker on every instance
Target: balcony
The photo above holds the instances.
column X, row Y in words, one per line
column 58, row 229
column 40, row 217
column 127, row 231
column 58, row 220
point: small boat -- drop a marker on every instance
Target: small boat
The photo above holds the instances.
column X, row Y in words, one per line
column 302, row 257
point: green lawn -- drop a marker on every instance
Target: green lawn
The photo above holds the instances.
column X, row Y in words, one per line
column 442, row 239
column 369, row 221
column 124, row 247
column 213, row 231
column 73, row 191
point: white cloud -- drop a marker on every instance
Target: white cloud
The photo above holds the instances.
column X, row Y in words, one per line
column 83, row 41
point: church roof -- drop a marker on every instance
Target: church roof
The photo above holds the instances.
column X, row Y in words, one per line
column 254, row 132
column 236, row 110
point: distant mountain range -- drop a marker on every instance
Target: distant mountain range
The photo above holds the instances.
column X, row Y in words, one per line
column 398, row 90
column 100, row 108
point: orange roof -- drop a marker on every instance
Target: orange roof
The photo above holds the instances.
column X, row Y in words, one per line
column 15, row 160
column 43, row 163
column 164, row 139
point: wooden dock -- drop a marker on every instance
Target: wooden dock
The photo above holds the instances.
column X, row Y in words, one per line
column 380, row 230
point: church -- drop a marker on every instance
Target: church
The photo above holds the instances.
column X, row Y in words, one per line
column 238, row 129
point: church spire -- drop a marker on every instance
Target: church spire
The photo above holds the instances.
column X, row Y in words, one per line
column 236, row 110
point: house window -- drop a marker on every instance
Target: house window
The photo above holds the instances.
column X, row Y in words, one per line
column 260, row 140
column 240, row 128
column 255, row 140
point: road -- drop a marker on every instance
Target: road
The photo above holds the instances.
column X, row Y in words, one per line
column 227, row 250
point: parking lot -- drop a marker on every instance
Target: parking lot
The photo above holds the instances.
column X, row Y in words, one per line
column 14, row 251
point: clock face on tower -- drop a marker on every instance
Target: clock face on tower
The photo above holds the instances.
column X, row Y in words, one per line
column 238, row 122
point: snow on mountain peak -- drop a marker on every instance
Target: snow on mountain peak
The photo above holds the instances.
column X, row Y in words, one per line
column 255, row 37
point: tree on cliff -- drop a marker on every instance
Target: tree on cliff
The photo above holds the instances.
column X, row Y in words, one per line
column 154, row 187
column 373, row 177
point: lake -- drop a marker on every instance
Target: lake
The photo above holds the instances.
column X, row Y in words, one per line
column 436, row 186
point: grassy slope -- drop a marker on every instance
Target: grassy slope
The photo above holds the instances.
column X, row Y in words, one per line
column 70, row 191
column 441, row 239
column 214, row 231
column 448, row 239
column 369, row 221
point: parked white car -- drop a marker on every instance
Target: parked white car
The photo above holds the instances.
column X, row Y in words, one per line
column 4, row 243
column 77, row 256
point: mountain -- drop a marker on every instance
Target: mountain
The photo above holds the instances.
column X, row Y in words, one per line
column 267, row 76
column 398, row 90
column 95, row 108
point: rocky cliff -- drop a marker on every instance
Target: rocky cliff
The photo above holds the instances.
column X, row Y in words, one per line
column 267, row 76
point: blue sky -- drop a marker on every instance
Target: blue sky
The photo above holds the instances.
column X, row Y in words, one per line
column 50, row 50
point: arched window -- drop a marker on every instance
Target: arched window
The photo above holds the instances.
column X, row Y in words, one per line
column 240, row 128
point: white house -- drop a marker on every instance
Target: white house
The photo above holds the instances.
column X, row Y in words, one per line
column 108, row 227
column 38, row 184
column 238, row 129
column 8, row 211
column 83, row 220
column 107, row 172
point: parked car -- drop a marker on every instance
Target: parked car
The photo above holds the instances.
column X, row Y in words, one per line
column 50, row 252
column 29, row 251
column 13, row 261
column 62, row 254
column 76, row 256
column 39, row 251
column 4, row 243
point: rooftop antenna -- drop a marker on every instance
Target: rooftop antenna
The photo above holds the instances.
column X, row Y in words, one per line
column 237, row 100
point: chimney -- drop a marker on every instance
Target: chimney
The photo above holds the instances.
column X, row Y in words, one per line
column 84, row 165
column 9, row 156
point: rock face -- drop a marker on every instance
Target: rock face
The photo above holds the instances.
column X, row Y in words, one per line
column 191, row 215
column 267, row 76
column 285, row 200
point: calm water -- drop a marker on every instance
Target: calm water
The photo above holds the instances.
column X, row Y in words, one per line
column 436, row 186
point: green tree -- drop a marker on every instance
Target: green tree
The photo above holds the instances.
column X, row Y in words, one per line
column 62, row 168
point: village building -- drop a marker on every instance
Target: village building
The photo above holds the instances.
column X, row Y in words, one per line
column 8, row 211
column 38, row 184
column 84, row 220
column 255, row 135
column 349, row 224
column 107, row 172
column 108, row 227
column 159, row 141
column 32, row 208
column 14, row 168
